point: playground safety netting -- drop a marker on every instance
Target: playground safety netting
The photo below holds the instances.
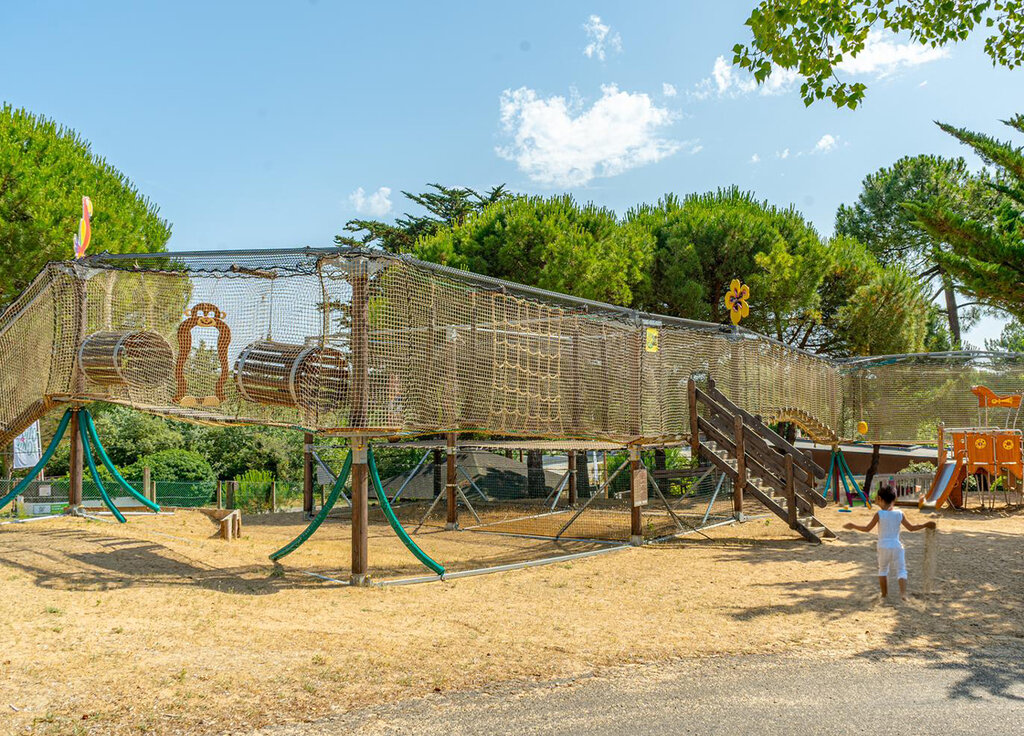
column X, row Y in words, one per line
column 525, row 490
column 338, row 341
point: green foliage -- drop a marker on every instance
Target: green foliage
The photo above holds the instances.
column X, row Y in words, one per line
column 446, row 207
column 1011, row 339
column 813, row 37
column 253, row 492
column 986, row 249
column 885, row 316
column 171, row 465
column 233, row 450
column 880, row 219
column 706, row 240
column 45, row 170
column 128, row 435
column 553, row 243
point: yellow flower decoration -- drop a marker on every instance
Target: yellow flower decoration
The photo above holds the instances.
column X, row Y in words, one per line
column 736, row 301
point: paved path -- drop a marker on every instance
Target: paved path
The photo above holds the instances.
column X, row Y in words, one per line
column 983, row 694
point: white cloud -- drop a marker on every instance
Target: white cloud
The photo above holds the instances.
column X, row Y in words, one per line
column 601, row 37
column 376, row 204
column 783, row 154
column 669, row 90
column 883, row 55
column 559, row 143
column 826, row 143
column 755, row 159
column 727, row 81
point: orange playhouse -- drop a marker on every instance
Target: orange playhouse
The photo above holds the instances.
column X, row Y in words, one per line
column 985, row 452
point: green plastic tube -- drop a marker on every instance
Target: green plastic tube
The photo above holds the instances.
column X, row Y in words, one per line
column 83, row 429
column 396, row 525
column 50, row 449
column 329, row 502
column 105, row 459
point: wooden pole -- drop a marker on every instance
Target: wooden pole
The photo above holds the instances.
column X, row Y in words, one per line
column 790, row 492
column 146, row 477
column 572, row 478
column 691, row 397
column 451, row 486
column 741, row 468
column 220, row 495
column 637, row 480
column 942, row 445
column 307, row 475
column 360, row 347
column 76, row 463
column 360, row 512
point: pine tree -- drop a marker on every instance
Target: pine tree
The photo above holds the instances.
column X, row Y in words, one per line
column 985, row 256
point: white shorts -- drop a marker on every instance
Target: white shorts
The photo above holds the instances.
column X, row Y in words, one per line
column 892, row 557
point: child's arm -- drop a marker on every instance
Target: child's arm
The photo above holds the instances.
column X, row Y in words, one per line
column 917, row 527
column 866, row 527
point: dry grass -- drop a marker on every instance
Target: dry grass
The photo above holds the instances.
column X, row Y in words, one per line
column 157, row 627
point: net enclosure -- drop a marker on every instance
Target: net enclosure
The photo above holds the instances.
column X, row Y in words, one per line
column 355, row 341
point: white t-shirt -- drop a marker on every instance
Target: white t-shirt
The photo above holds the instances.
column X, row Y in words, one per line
column 889, row 522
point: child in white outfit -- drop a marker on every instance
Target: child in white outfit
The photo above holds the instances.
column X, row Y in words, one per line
column 890, row 548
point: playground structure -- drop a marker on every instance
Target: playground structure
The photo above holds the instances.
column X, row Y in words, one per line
column 365, row 346
column 982, row 452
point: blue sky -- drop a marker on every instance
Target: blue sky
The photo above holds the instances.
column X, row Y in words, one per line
column 257, row 124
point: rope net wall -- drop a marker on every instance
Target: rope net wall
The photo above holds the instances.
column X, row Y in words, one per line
column 362, row 342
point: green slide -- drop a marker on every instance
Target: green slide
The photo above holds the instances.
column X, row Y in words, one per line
column 396, row 525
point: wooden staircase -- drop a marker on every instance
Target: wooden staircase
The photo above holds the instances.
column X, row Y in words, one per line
column 760, row 462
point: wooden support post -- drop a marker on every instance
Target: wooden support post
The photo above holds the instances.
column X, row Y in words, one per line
column 146, row 478
column 360, row 512
column 741, row 468
column 942, row 445
column 691, row 399
column 307, row 475
column 439, row 473
column 76, row 461
column 790, row 493
column 637, row 496
column 359, row 391
column 572, row 477
column 451, row 486
column 220, row 494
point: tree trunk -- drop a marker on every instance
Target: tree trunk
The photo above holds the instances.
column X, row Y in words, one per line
column 951, row 312
column 872, row 469
column 535, row 474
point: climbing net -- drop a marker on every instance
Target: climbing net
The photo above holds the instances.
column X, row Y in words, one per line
column 362, row 342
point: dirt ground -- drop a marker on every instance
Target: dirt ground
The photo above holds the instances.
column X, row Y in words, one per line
column 158, row 627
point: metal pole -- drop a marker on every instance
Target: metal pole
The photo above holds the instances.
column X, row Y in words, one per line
column 451, row 485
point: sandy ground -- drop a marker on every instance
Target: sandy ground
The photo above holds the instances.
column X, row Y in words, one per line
column 158, row 627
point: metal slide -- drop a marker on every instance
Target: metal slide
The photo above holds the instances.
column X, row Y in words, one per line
column 951, row 475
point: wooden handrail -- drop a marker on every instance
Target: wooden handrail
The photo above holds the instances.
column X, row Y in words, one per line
column 761, row 428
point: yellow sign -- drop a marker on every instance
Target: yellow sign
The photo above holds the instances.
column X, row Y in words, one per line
column 651, row 345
